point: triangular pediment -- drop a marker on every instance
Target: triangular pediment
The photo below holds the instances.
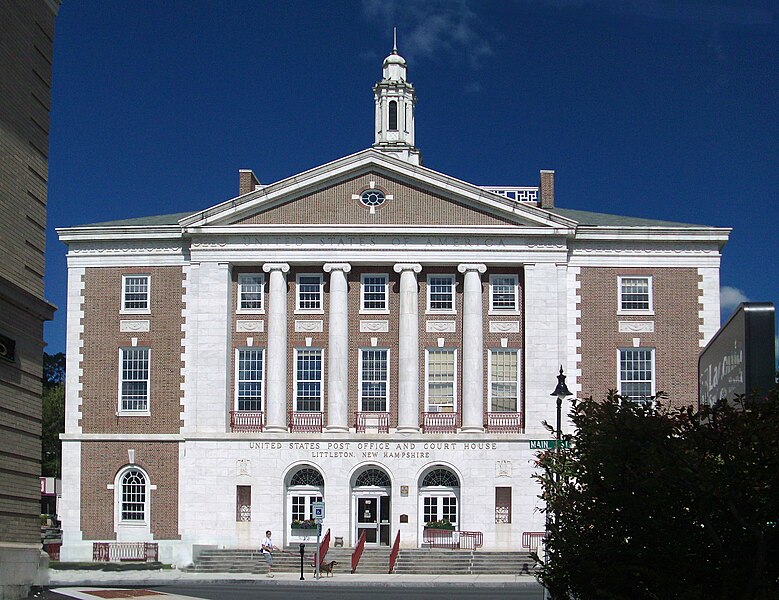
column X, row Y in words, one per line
column 415, row 197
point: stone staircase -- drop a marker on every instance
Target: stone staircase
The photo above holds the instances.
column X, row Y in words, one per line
column 373, row 560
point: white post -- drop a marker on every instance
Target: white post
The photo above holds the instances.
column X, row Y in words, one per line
column 473, row 349
column 276, row 400
column 338, row 348
column 408, row 349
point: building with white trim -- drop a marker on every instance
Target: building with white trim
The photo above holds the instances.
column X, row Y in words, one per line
column 371, row 333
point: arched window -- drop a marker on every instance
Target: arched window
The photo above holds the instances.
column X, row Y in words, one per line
column 307, row 476
column 133, row 491
column 440, row 477
column 373, row 477
column 393, row 115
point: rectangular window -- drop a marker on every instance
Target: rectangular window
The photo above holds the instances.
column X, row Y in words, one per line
column 134, row 380
column 449, row 509
column 430, row 509
column 440, row 293
column 298, row 508
column 249, row 378
column 440, row 380
column 250, row 291
column 637, row 373
column 504, row 293
column 635, row 294
column 309, row 292
column 135, row 293
column 374, row 292
column 374, row 376
column 308, row 380
column 503, row 505
column 243, row 503
column 504, row 380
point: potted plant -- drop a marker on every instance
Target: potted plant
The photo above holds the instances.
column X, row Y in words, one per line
column 305, row 526
column 444, row 524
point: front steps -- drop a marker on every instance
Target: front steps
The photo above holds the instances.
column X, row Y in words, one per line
column 374, row 560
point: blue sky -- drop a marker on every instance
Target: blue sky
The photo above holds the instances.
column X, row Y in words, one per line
column 648, row 108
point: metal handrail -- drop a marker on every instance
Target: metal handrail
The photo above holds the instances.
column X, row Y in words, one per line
column 505, row 422
column 124, row 551
column 305, row 422
column 357, row 554
column 394, row 553
column 452, row 539
column 439, row 422
column 246, row 420
column 532, row 539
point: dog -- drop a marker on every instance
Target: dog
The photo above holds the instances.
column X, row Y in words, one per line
column 327, row 567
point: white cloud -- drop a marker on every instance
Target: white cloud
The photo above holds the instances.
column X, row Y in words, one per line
column 730, row 298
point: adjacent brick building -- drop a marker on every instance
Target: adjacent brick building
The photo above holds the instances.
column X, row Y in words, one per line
column 369, row 332
column 26, row 40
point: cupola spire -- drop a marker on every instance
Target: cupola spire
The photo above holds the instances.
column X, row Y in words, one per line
column 395, row 100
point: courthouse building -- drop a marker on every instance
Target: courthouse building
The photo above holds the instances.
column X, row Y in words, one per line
column 370, row 333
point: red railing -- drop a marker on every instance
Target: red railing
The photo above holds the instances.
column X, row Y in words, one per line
column 324, row 546
column 246, row 420
column 371, row 421
column 454, row 540
column 357, row 554
column 305, row 422
column 394, row 553
column 119, row 551
column 439, row 422
column 505, row 422
column 532, row 539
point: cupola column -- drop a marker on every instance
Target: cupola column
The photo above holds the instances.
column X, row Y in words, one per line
column 338, row 348
column 473, row 349
column 276, row 398
column 408, row 348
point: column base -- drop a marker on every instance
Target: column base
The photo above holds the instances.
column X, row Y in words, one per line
column 471, row 429
column 337, row 429
column 275, row 429
column 407, row 429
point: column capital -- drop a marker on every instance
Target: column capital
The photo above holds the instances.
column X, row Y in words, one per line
column 268, row 267
column 345, row 267
column 400, row 267
column 465, row 267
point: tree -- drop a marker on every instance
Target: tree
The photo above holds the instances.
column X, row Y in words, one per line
column 53, row 414
column 652, row 502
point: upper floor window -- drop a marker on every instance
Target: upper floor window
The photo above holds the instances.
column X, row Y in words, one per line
column 504, row 380
column 308, row 380
column 393, row 115
column 250, row 292
column 374, row 292
column 135, row 293
column 249, row 379
column 637, row 373
column 440, row 293
column 635, row 294
column 374, row 379
column 309, row 292
column 441, row 379
column 504, row 293
column 134, row 380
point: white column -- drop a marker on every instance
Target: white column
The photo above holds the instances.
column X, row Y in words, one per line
column 276, row 379
column 408, row 348
column 473, row 349
column 337, row 348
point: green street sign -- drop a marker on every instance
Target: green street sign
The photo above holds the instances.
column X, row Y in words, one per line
column 547, row 444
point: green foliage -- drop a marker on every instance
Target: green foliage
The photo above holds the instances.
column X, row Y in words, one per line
column 652, row 502
column 53, row 414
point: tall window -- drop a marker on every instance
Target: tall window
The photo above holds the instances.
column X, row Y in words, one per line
column 306, row 487
column 440, row 380
column 135, row 293
column 637, row 373
column 249, row 379
column 504, row 380
column 374, row 292
column 373, row 380
column 309, row 292
column 243, row 503
column 503, row 505
column 503, row 293
column 439, row 490
column 134, row 381
column 440, row 293
column 250, row 288
column 393, row 115
column 635, row 294
column 133, row 491
column 308, row 380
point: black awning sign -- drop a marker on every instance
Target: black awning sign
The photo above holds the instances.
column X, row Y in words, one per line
column 7, row 349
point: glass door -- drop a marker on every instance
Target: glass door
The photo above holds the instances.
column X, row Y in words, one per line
column 368, row 518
